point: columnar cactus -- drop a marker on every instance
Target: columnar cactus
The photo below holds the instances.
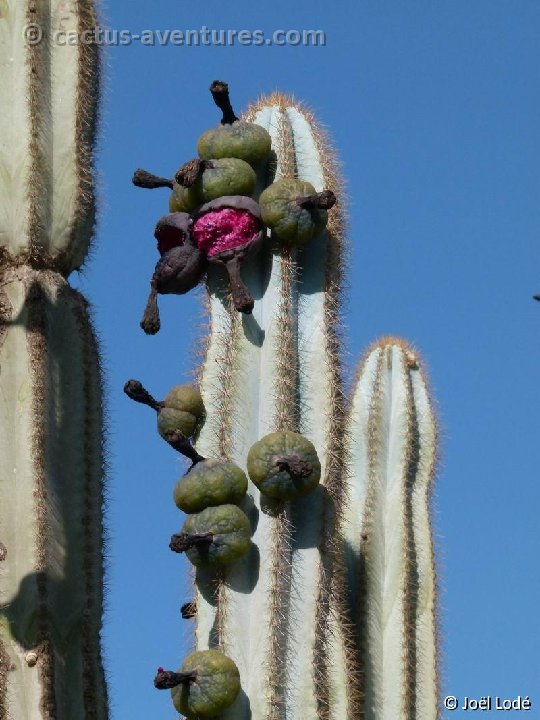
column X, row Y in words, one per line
column 51, row 452
column 279, row 369
column 331, row 613
column 391, row 587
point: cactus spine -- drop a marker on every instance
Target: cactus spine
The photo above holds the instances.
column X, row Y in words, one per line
column 51, row 456
column 292, row 613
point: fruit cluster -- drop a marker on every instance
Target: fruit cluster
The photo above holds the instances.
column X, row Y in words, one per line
column 217, row 532
column 214, row 218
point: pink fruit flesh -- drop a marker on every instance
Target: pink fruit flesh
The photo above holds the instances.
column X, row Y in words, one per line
column 220, row 230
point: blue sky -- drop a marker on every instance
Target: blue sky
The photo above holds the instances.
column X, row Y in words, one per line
column 434, row 110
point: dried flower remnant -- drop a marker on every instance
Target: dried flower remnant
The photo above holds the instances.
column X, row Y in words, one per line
column 147, row 180
column 167, row 679
column 233, row 138
column 188, row 610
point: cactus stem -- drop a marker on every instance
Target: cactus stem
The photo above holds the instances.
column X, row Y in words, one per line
column 323, row 200
column 191, row 171
column 294, row 465
column 51, row 517
column 150, row 322
column 180, row 542
column 135, row 390
column 220, row 94
column 144, row 179
column 394, row 468
column 165, row 679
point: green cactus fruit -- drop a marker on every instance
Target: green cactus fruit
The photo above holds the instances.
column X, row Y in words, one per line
column 284, row 465
column 183, row 199
column 170, row 421
column 243, row 140
column 294, row 211
column 215, row 684
column 215, row 536
column 210, row 483
column 200, row 181
column 182, row 412
column 234, row 138
column 187, row 398
column 183, row 403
